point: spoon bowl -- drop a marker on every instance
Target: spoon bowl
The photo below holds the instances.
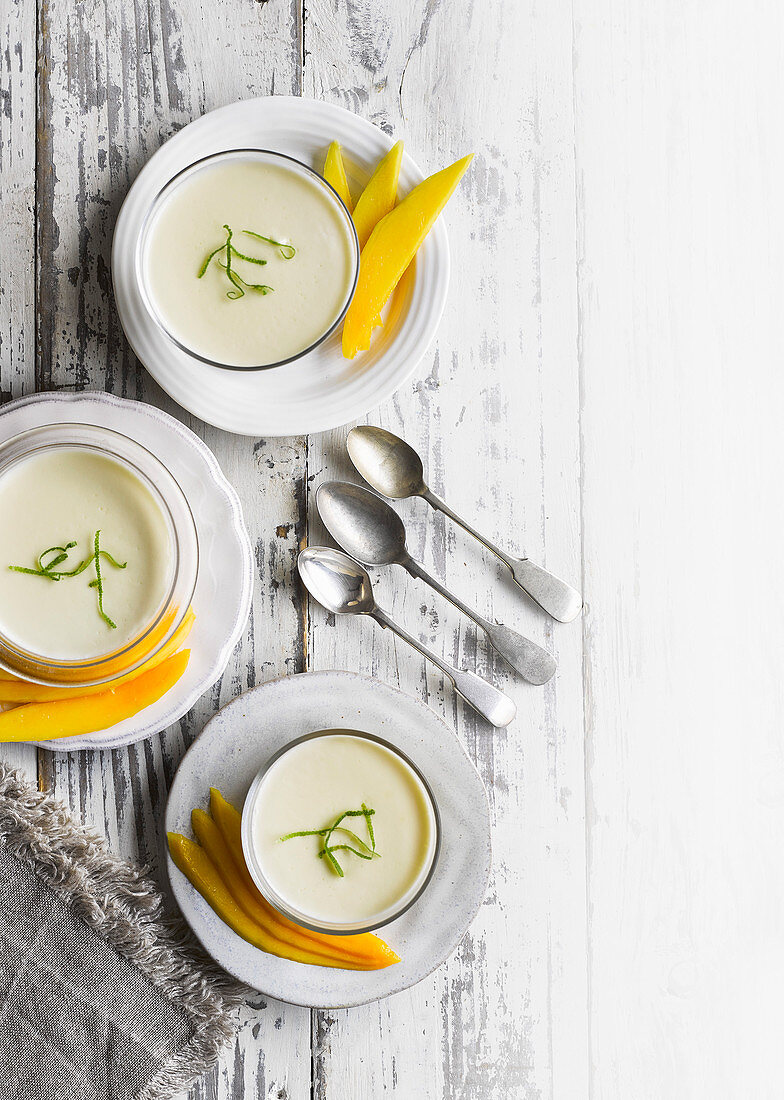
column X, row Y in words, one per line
column 364, row 525
column 386, row 462
column 337, row 582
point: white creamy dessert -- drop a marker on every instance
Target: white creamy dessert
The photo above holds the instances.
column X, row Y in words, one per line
column 308, row 788
column 309, row 279
column 67, row 494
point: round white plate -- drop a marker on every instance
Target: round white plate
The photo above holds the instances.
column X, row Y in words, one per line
column 322, row 390
column 225, row 582
column 232, row 748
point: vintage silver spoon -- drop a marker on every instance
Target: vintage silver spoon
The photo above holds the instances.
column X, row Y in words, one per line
column 395, row 470
column 343, row 587
column 371, row 531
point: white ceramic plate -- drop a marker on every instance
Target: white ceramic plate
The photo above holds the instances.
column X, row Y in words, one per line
column 232, row 748
column 322, row 390
column 225, row 582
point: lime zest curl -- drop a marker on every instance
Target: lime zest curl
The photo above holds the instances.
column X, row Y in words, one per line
column 49, row 570
column 364, row 850
column 287, row 251
column 238, row 284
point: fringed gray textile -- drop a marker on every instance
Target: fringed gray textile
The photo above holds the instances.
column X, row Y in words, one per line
column 101, row 996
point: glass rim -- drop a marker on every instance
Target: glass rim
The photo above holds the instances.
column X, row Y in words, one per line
column 156, row 204
column 388, row 915
column 98, row 664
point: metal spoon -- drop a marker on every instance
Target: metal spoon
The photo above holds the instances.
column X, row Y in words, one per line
column 371, row 531
column 395, row 470
column 344, row 588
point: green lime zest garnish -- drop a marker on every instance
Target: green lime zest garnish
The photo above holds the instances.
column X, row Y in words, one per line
column 238, row 284
column 287, row 251
column 249, row 259
column 49, row 569
column 368, row 814
column 237, row 292
column 211, row 256
column 98, row 582
column 235, row 278
column 46, row 569
column 364, row 850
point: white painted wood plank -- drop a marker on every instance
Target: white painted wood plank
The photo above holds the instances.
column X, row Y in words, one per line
column 17, row 196
column 17, row 240
column 494, row 410
column 681, row 282
column 118, row 80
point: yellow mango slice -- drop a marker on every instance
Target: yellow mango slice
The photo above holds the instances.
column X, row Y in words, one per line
column 379, row 195
column 254, row 904
column 16, row 690
column 78, row 717
column 390, row 249
column 202, row 873
column 365, row 948
column 335, row 174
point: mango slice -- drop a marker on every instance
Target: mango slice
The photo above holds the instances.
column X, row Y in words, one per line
column 16, row 690
column 390, row 249
column 335, row 174
column 78, row 717
column 202, row 873
column 380, row 194
column 364, row 948
column 257, row 907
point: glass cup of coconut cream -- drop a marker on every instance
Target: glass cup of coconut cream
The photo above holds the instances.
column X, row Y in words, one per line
column 340, row 832
column 247, row 259
column 98, row 555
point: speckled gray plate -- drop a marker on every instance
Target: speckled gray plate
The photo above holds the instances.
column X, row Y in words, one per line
column 242, row 736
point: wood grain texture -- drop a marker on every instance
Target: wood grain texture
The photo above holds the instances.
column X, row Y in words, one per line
column 681, row 282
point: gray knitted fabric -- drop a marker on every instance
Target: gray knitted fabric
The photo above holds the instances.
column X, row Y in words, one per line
column 100, row 996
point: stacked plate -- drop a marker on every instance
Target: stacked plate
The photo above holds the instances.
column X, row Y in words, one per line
column 222, row 595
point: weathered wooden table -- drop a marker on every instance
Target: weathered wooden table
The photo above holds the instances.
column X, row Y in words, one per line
column 605, row 393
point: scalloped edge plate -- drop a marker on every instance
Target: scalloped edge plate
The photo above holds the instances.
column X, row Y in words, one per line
column 226, row 559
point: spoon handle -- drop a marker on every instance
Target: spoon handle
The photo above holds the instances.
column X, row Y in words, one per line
column 553, row 595
column 532, row 662
column 491, row 703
